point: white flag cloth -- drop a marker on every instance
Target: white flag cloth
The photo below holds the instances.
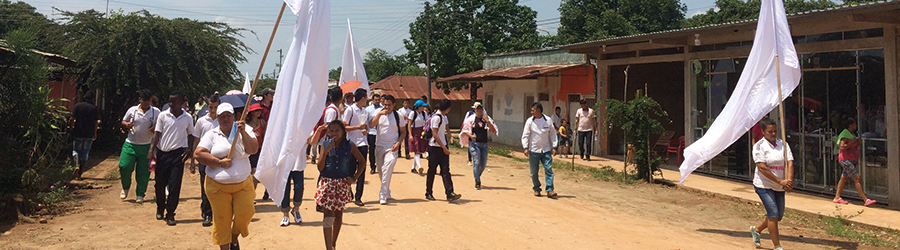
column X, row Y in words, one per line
column 756, row 92
column 352, row 65
column 299, row 98
column 246, row 88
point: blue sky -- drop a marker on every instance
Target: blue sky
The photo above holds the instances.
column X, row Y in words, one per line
column 376, row 23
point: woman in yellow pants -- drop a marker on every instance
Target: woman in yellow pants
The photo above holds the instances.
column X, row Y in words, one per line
column 229, row 185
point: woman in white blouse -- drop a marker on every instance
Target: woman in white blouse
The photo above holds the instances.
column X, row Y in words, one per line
column 229, row 185
column 772, row 179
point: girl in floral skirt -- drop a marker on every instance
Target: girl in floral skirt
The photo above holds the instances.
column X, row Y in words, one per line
column 340, row 164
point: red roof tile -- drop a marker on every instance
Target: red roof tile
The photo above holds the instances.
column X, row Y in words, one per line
column 414, row 87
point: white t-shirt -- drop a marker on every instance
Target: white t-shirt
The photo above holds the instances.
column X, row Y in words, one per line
column 417, row 120
column 442, row 129
column 355, row 116
column 387, row 129
column 175, row 130
column 371, row 111
column 585, row 119
column 773, row 156
column 404, row 111
column 331, row 113
column 204, row 124
column 140, row 133
column 556, row 120
column 219, row 145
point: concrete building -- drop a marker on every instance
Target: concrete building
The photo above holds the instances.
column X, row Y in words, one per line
column 849, row 69
column 513, row 81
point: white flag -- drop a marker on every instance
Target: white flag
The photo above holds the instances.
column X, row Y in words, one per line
column 756, row 93
column 352, row 66
column 247, row 86
column 299, row 99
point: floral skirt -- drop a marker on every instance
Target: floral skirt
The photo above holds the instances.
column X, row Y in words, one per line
column 333, row 194
column 417, row 144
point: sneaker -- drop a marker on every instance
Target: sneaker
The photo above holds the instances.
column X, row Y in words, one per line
column 207, row 220
column 159, row 215
column 551, row 194
column 429, row 197
column 320, row 209
column 123, row 194
column 470, row 163
column 869, row 202
column 372, row 172
column 478, row 185
column 170, row 220
column 453, row 196
column 537, row 193
column 755, row 236
column 234, row 247
column 422, row 171
column 265, row 196
column 414, row 171
column 314, row 160
column 139, row 199
column 285, row 221
column 297, row 218
column 382, row 202
column 779, row 248
column 359, row 203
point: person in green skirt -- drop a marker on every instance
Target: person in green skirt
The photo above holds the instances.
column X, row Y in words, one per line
column 139, row 124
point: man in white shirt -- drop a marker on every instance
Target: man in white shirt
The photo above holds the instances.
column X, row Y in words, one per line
column 371, row 110
column 355, row 118
column 587, row 125
column 391, row 127
column 539, row 140
column 205, row 124
column 439, row 154
column 174, row 128
column 139, row 121
column 556, row 119
column 404, row 111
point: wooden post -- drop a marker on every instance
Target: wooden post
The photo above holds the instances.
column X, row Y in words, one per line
column 781, row 114
column 256, row 79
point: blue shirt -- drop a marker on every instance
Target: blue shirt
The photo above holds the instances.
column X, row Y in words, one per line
column 339, row 162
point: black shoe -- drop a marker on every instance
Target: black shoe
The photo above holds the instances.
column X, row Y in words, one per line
column 414, row 171
column 372, row 172
column 429, row 197
column 313, row 162
column 207, row 220
column 588, row 159
column 159, row 215
column 266, row 196
column 478, row 185
column 234, row 246
column 320, row 209
column 359, row 203
column 453, row 197
column 170, row 220
column 582, row 157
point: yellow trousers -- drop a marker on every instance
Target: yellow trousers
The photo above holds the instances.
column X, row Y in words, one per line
column 232, row 206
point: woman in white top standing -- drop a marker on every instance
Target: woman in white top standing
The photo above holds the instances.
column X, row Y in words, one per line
column 139, row 121
column 229, row 185
column 772, row 179
column 417, row 144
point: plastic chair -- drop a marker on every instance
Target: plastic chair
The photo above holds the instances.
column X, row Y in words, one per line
column 676, row 147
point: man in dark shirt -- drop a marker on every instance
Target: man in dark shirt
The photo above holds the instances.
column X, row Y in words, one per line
column 86, row 117
column 474, row 133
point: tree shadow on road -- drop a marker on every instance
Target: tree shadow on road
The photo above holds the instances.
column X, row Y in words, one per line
column 821, row 242
column 463, row 201
column 498, row 188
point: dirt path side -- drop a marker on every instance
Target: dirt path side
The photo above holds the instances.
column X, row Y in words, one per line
column 589, row 214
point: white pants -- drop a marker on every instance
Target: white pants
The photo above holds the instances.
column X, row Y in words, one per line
column 385, row 159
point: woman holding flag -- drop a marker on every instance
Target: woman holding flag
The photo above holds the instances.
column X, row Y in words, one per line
column 229, row 185
column 773, row 178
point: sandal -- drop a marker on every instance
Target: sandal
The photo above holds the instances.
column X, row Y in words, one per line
column 840, row 201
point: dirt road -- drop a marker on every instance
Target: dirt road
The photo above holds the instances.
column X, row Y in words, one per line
column 589, row 214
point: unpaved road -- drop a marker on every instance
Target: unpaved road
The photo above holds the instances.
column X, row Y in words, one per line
column 589, row 214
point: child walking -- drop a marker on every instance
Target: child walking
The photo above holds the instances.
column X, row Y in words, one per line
column 340, row 164
column 565, row 134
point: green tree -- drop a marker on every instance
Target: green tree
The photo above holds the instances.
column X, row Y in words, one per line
column 21, row 15
column 125, row 52
column 412, row 70
column 638, row 118
column 585, row 20
column 462, row 31
column 335, row 73
column 379, row 64
column 740, row 10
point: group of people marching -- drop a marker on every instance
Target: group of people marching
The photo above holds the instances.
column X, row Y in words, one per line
column 353, row 127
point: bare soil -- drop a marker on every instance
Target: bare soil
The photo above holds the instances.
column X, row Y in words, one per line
column 588, row 214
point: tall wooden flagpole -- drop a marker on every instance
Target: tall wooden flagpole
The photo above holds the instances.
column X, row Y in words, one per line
column 256, row 79
column 781, row 110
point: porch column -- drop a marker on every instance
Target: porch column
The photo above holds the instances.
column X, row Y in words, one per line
column 602, row 94
column 892, row 120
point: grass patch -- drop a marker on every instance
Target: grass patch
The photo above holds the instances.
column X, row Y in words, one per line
column 500, row 151
column 843, row 228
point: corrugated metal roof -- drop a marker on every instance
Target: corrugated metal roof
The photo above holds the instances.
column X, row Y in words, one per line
column 414, row 87
column 627, row 39
column 524, row 72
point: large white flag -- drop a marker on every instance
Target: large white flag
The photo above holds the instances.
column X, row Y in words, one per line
column 756, row 92
column 352, row 66
column 247, row 87
column 299, row 97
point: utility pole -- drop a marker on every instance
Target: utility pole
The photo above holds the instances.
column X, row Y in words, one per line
column 428, row 50
column 280, row 61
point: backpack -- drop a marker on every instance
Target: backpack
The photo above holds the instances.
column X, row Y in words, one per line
column 322, row 118
column 429, row 133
